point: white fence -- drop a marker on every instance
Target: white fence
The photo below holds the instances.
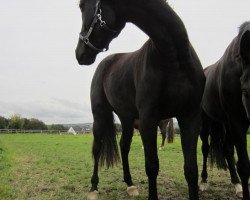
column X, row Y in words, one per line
column 33, row 131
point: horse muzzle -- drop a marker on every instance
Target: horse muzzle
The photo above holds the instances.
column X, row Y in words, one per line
column 84, row 56
column 84, row 60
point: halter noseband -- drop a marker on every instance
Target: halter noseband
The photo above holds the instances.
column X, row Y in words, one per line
column 97, row 18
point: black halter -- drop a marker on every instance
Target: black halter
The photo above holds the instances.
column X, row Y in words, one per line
column 97, row 18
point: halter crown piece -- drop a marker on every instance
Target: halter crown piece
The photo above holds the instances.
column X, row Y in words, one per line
column 97, row 19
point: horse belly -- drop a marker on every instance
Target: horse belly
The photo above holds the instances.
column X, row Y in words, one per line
column 124, row 107
column 173, row 100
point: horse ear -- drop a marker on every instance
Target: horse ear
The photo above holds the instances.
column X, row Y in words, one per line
column 245, row 46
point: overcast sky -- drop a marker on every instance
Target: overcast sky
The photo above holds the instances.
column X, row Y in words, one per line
column 39, row 74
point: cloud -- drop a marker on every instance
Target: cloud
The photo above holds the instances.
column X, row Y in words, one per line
column 52, row 110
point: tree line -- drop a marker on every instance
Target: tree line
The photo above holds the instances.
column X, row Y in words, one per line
column 16, row 121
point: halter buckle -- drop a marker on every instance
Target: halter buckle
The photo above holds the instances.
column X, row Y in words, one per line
column 86, row 40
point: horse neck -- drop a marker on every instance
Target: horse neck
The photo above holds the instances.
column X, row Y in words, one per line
column 230, row 61
column 157, row 19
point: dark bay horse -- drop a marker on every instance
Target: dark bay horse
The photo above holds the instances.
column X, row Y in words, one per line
column 165, row 126
column 226, row 105
column 161, row 80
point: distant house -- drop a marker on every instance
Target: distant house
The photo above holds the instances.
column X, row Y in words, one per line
column 71, row 131
column 75, row 130
column 87, row 129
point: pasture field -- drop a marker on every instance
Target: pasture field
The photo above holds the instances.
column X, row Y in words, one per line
column 60, row 167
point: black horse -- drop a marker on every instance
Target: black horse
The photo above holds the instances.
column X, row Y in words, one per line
column 165, row 126
column 161, row 80
column 226, row 105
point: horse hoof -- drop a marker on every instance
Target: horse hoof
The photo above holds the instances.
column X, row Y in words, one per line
column 132, row 191
column 204, row 186
column 93, row 195
column 238, row 190
column 239, row 195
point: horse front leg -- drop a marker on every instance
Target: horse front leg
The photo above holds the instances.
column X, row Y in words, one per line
column 190, row 127
column 238, row 131
column 125, row 143
column 148, row 130
column 229, row 154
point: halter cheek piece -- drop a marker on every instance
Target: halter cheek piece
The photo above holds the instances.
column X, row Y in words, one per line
column 97, row 19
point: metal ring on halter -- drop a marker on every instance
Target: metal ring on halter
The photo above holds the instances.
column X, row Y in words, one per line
column 99, row 17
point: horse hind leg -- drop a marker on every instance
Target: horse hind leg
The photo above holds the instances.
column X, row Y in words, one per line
column 170, row 137
column 164, row 135
column 93, row 193
column 205, row 129
column 163, row 128
column 125, row 143
column 104, row 147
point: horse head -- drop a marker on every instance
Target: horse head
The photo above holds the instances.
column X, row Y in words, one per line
column 101, row 23
column 245, row 62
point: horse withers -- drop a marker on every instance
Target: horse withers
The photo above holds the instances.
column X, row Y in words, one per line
column 163, row 79
column 226, row 106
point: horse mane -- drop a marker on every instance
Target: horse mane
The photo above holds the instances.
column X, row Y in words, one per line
column 235, row 44
column 244, row 27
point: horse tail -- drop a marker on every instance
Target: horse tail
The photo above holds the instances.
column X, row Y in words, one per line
column 216, row 153
column 170, row 131
column 104, row 130
column 108, row 152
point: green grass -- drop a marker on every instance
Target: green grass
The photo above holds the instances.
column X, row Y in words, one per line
column 60, row 167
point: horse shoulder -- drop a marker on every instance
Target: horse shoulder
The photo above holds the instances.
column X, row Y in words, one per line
column 211, row 103
column 230, row 90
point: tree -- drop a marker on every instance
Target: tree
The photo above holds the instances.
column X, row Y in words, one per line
column 3, row 123
column 16, row 122
column 35, row 124
column 26, row 124
column 58, row 127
